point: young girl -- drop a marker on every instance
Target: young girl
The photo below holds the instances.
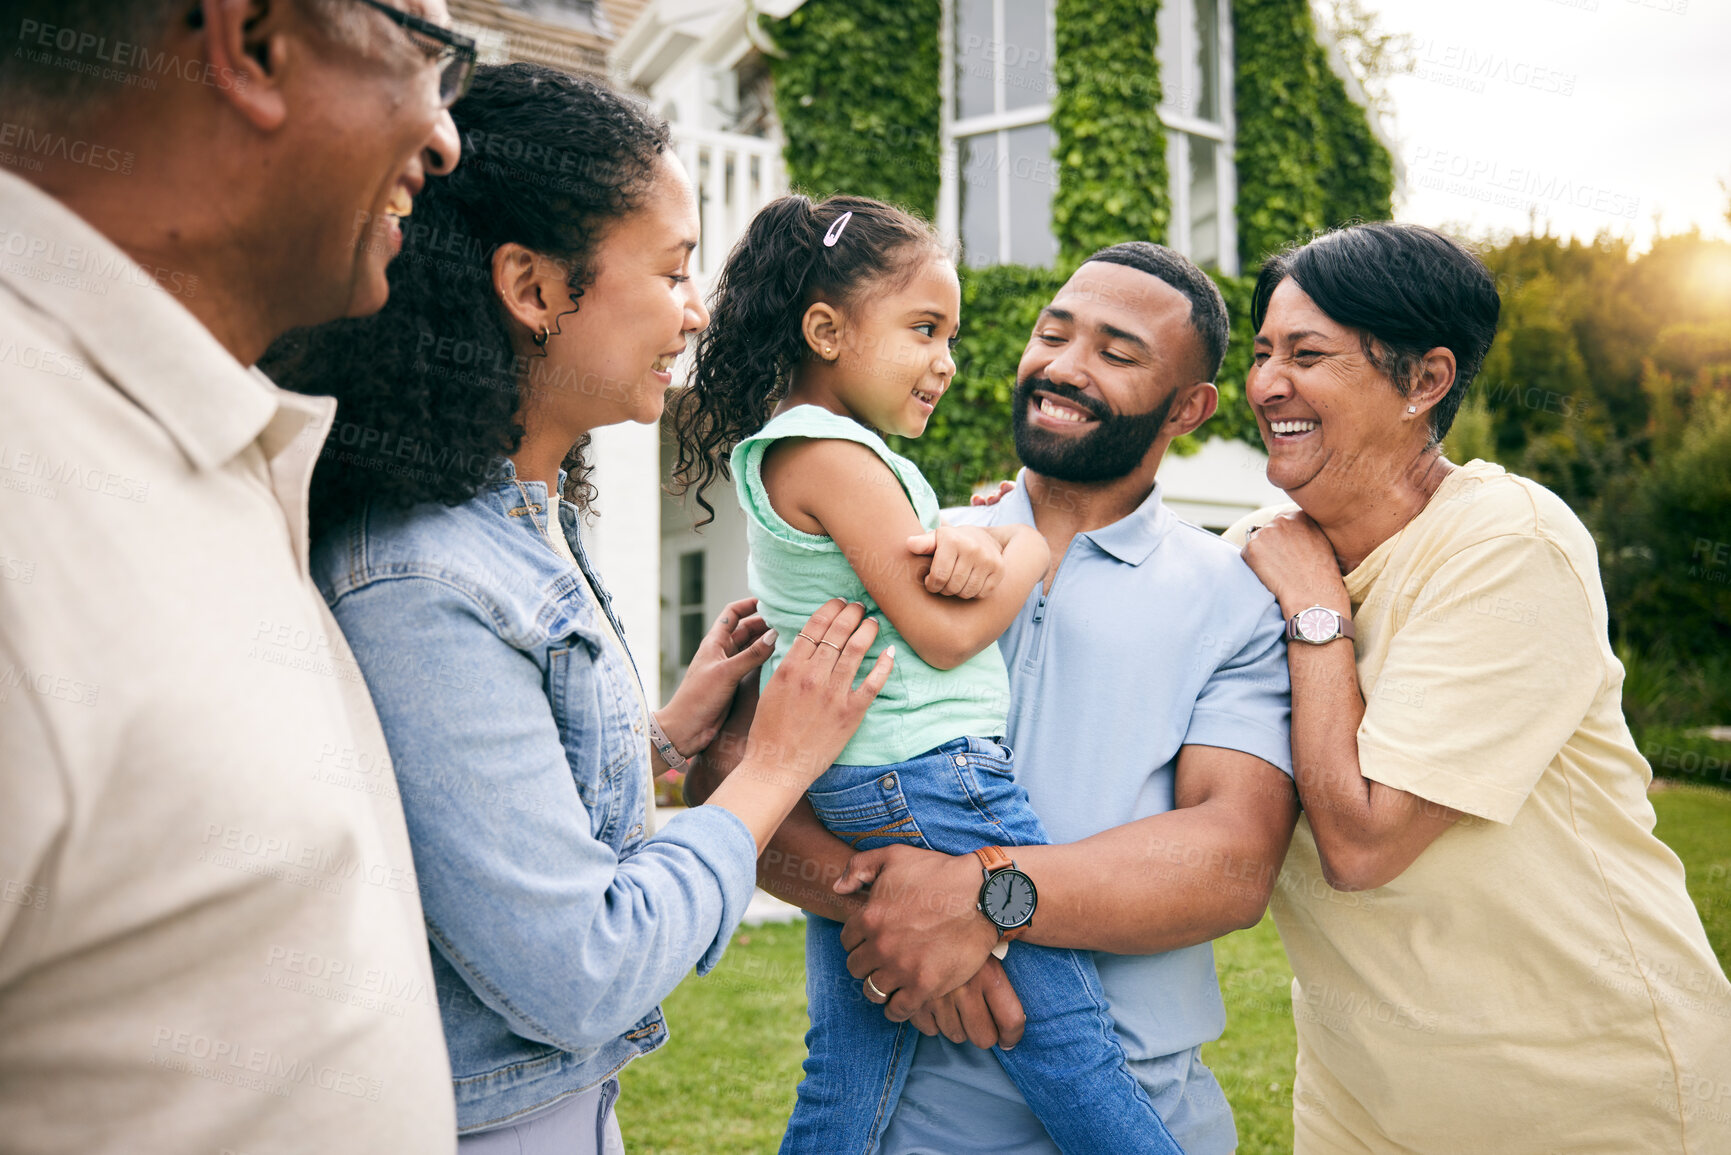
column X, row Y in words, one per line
column 832, row 323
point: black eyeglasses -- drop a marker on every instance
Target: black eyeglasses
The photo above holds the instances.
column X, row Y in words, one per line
column 454, row 53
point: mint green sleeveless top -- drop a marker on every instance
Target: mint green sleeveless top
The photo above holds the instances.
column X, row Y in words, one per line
column 792, row 573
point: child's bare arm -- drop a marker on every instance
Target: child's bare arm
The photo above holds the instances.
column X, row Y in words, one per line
column 968, row 561
column 845, row 491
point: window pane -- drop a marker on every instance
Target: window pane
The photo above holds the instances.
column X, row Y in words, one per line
column 691, row 580
column 1033, row 175
column 690, row 636
column 978, row 158
column 1027, row 54
column 1204, row 201
column 974, row 52
column 1207, row 67
column 1168, row 27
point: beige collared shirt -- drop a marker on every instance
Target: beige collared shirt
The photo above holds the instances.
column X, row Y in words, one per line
column 210, row 932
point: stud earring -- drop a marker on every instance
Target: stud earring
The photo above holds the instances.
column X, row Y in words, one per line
column 1412, row 408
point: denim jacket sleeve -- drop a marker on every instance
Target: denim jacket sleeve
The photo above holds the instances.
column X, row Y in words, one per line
column 570, row 942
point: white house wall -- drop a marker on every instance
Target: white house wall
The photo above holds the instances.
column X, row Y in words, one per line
column 723, row 544
column 624, row 542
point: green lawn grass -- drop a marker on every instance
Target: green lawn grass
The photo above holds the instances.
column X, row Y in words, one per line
column 725, row 1083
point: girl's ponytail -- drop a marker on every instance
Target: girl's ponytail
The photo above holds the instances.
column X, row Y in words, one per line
column 793, row 253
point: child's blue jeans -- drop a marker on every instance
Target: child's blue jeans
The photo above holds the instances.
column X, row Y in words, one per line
column 1069, row 1065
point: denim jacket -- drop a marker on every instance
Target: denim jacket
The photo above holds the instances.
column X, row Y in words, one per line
column 516, row 725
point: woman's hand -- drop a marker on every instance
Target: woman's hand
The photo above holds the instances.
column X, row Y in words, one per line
column 805, row 715
column 967, row 560
column 810, row 708
column 738, row 643
column 1297, row 564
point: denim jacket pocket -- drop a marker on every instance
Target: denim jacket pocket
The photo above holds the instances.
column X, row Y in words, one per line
column 872, row 814
column 596, row 721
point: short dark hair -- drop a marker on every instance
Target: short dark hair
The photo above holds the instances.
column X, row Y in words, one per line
column 1207, row 306
column 429, row 389
column 1406, row 289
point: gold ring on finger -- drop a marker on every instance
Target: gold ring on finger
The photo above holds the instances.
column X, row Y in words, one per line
column 874, row 989
column 813, row 641
column 831, row 645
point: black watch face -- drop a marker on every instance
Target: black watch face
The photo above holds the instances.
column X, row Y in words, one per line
column 1008, row 897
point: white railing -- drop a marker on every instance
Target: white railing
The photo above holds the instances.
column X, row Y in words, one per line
column 734, row 177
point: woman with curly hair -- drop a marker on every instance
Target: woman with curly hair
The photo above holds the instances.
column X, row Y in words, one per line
column 543, row 291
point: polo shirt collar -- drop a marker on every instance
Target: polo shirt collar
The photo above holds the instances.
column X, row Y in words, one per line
column 137, row 334
column 1130, row 539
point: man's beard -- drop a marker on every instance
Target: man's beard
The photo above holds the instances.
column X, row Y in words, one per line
column 1112, row 449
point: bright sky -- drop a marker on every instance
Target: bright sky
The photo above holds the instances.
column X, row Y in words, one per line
column 1602, row 114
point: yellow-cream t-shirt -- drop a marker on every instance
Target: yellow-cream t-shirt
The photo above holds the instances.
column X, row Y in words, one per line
column 1538, row 980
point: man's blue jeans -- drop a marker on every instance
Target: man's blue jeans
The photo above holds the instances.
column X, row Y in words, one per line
column 1069, row 1065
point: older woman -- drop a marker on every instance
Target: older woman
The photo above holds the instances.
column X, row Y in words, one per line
column 1492, row 951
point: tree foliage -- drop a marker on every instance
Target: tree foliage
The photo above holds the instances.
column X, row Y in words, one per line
column 1610, row 384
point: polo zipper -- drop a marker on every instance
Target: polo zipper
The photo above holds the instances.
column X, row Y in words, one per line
column 1037, row 640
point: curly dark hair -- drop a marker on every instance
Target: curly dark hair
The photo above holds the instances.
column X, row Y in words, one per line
column 755, row 342
column 430, row 389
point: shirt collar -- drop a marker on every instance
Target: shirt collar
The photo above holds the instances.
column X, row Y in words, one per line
column 1130, row 539
column 143, row 339
column 502, row 492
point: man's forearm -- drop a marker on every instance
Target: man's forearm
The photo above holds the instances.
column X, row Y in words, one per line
column 1175, row 879
column 1169, row 881
column 803, row 862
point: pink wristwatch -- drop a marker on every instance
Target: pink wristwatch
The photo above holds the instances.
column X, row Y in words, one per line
column 1317, row 626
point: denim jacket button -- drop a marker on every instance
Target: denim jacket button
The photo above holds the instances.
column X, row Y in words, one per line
column 888, row 782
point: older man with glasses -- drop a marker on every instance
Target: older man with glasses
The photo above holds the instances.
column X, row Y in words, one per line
column 210, row 933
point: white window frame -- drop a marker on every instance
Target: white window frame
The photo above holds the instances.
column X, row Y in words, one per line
column 1181, row 126
column 998, row 123
column 1178, row 124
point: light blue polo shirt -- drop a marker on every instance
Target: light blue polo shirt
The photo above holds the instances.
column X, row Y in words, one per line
column 1154, row 636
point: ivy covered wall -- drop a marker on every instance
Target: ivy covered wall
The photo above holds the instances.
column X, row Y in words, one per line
column 1306, row 157
column 857, row 90
column 1111, row 150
